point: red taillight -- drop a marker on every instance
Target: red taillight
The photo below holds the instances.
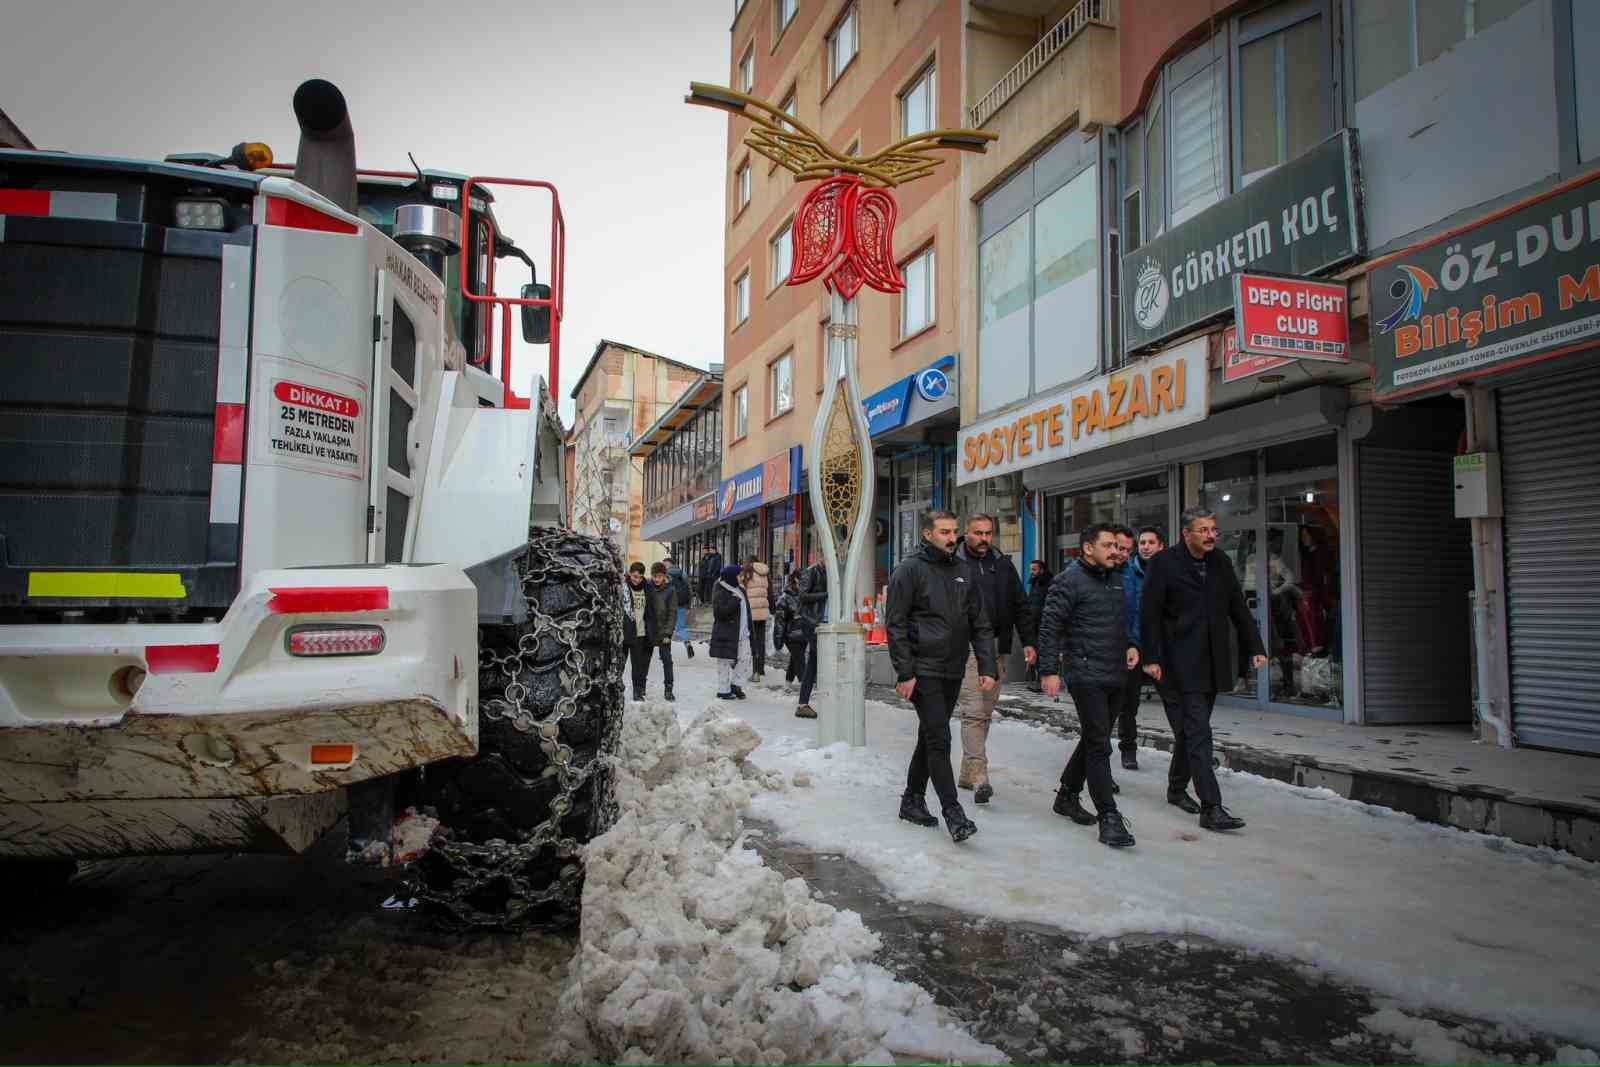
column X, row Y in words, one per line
column 335, row 641
column 182, row 659
column 326, row 600
column 298, row 216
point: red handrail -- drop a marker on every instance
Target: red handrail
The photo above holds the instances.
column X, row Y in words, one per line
column 556, row 301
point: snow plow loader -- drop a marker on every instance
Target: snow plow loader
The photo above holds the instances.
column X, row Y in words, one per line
column 281, row 545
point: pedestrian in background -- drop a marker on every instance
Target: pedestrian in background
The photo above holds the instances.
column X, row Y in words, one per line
column 646, row 623
column 680, row 589
column 1191, row 597
column 755, row 590
column 1084, row 633
column 1007, row 607
column 794, row 631
column 1125, row 709
column 710, row 571
column 1039, row 579
column 730, row 634
column 935, row 615
column 1147, row 542
column 662, row 604
column 814, row 612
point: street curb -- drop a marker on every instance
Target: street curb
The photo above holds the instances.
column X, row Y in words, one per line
column 1482, row 809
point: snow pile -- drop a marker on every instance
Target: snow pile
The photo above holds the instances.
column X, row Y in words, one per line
column 692, row 950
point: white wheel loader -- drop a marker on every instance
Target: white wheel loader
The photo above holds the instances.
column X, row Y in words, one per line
column 280, row 544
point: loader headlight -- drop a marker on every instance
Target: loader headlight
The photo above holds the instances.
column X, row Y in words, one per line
column 200, row 214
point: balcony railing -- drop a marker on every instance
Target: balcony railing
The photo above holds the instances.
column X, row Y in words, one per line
column 1085, row 13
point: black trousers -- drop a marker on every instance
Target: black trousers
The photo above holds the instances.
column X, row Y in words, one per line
column 1189, row 715
column 1091, row 759
column 639, row 650
column 797, row 660
column 758, row 645
column 808, row 680
column 935, row 700
column 1125, row 715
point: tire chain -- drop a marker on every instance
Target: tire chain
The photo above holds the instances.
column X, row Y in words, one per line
column 477, row 866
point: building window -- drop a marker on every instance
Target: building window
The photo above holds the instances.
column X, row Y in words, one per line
column 782, row 250
column 780, row 383
column 783, row 12
column 841, row 44
column 1155, row 170
column 1039, row 291
column 741, row 297
column 1395, row 37
column 1283, row 91
column 918, row 108
column 1197, row 124
column 917, row 301
column 1132, row 222
column 742, row 183
column 747, row 70
column 787, row 107
column 741, row 412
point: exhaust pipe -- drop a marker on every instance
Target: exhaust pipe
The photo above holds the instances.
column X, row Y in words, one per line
column 326, row 161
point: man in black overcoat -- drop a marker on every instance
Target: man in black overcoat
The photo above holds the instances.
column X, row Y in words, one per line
column 1191, row 597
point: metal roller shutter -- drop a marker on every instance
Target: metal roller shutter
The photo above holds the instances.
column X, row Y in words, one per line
column 1550, row 467
column 1416, row 572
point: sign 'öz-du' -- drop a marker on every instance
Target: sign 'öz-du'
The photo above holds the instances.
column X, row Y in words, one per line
column 1521, row 286
column 1300, row 219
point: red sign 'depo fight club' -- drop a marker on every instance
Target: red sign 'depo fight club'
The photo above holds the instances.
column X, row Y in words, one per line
column 1292, row 317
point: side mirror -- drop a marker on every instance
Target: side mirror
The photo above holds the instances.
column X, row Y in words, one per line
column 535, row 320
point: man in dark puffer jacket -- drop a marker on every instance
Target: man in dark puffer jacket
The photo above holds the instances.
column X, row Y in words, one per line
column 1083, row 631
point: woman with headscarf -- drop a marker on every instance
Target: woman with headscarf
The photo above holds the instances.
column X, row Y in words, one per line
column 730, row 634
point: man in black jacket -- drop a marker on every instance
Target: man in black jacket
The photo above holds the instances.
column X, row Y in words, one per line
column 710, row 571
column 1191, row 595
column 1039, row 579
column 813, row 613
column 1083, row 632
column 1007, row 608
column 935, row 614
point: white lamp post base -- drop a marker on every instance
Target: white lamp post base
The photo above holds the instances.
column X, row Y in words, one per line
column 841, row 684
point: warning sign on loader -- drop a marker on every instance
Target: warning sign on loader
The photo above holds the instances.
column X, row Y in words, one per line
column 317, row 428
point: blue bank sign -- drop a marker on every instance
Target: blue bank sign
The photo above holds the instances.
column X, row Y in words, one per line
column 912, row 398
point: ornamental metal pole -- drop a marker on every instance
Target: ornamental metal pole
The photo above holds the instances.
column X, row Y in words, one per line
column 842, row 469
column 843, row 233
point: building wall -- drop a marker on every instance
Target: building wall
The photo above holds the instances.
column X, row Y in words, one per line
column 896, row 42
column 638, row 387
column 1077, row 88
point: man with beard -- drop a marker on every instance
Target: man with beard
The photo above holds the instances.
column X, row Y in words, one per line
column 935, row 614
column 1191, row 596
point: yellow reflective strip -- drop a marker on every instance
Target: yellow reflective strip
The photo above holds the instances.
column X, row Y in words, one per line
column 105, row 585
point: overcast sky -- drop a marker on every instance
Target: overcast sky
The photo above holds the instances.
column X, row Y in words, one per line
column 586, row 95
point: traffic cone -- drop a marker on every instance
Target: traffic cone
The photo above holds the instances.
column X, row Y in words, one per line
column 877, row 635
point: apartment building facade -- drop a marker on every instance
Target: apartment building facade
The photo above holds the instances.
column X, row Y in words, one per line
column 622, row 391
column 861, row 74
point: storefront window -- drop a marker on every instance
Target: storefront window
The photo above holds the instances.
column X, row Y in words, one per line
column 1136, row 502
column 783, row 539
column 1286, row 496
column 746, row 539
column 1000, row 497
column 1302, row 505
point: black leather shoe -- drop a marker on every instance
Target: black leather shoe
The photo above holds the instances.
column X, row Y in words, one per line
column 1217, row 818
column 738, row 694
column 915, row 810
column 637, row 696
column 1130, row 761
column 667, row 694
column 983, row 794
column 1114, row 831
column 1067, row 804
column 956, row 821
column 689, row 648
column 726, row 696
column 1184, row 802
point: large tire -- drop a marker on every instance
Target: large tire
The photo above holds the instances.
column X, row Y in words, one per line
column 514, row 817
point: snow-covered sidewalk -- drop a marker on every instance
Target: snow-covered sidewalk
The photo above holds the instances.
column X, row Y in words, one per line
column 1433, row 917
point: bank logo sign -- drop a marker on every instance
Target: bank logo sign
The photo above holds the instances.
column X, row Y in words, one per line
column 932, row 385
column 1522, row 286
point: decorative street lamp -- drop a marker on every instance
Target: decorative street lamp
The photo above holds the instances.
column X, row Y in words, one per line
column 843, row 233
